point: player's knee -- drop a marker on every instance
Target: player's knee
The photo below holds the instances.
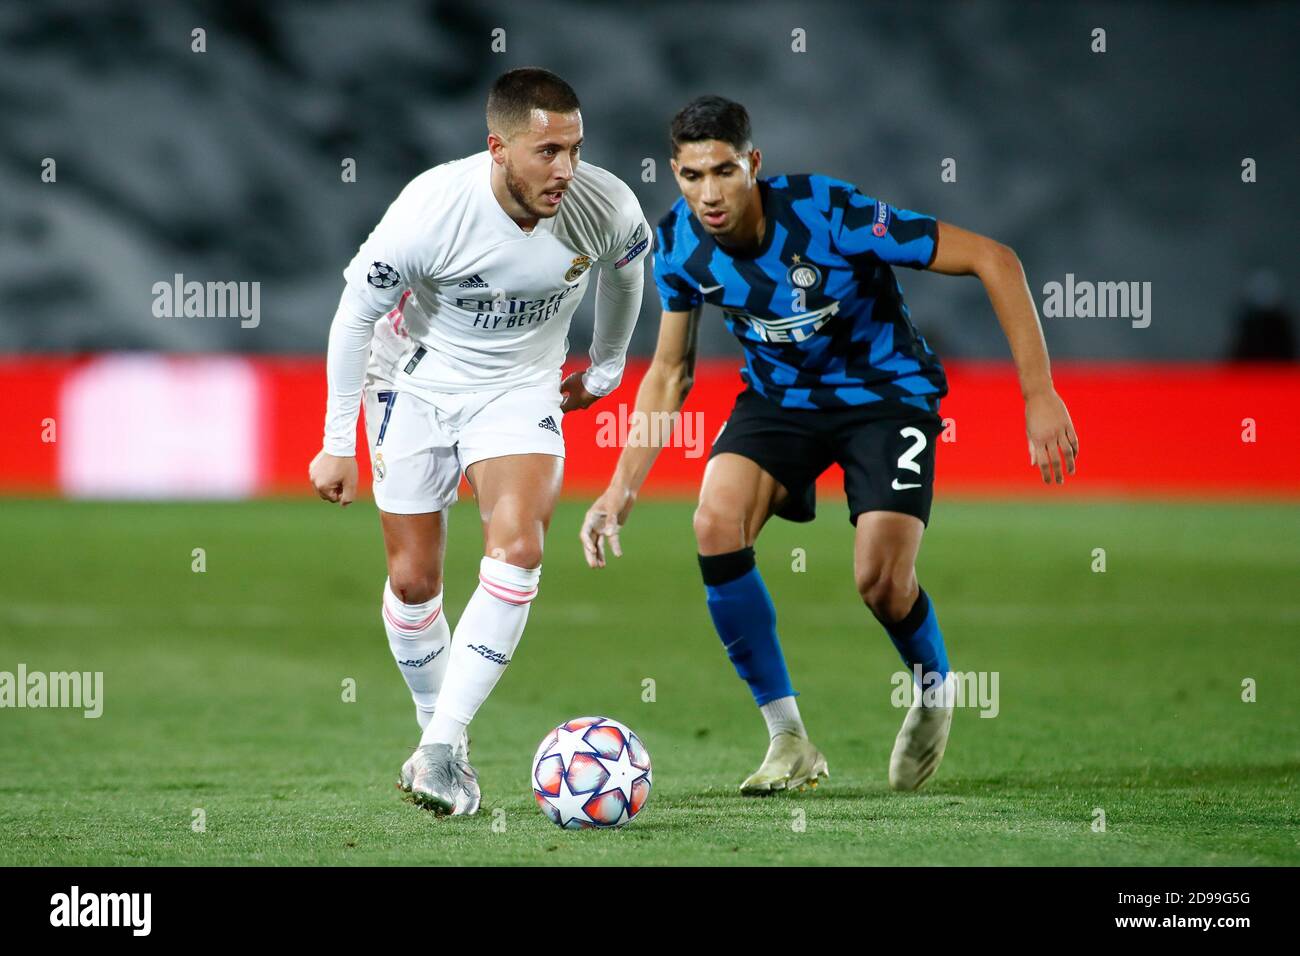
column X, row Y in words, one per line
column 718, row 531
column 413, row 583
column 523, row 551
column 888, row 592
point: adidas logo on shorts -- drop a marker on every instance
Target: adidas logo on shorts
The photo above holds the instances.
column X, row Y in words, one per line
column 549, row 424
column 473, row 282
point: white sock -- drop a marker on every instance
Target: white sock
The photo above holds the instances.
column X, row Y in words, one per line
column 486, row 636
column 418, row 636
column 782, row 716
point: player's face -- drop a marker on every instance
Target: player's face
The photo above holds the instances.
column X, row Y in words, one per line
column 719, row 183
column 540, row 161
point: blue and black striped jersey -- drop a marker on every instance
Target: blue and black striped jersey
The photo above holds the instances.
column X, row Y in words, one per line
column 816, row 306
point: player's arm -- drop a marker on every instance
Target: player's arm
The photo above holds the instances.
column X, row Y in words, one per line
column 377, row 277
column 1047, row 421
column 664, row 389
column 333, row 471
column 618, row 304
column 620, row 281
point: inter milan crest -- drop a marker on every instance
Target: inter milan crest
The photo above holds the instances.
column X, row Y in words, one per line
column 803, row 275
column 580, row 265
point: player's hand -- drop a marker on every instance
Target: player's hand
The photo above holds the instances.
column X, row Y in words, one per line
column 575, row 394
column 334, row 478
column 1052, row 439
column 604, row 520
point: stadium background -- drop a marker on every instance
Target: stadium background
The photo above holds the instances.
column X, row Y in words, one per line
column 226, row 166
column 1122, row 690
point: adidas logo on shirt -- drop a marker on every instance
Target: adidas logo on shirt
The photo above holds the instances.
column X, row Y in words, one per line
column 549, row 424
column 473, row 282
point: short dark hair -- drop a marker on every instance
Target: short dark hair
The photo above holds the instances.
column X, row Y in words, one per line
column 516, row 93
column 712, row 117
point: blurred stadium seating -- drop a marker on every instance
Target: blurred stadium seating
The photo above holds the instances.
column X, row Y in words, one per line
column 225, row 165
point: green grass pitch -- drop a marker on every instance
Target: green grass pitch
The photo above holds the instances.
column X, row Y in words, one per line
column 1119, row 690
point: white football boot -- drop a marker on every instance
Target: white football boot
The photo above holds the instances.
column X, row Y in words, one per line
column 440, row 778
column 921, row 741
column 792, row 763
column 468, row 778
column 407, row 773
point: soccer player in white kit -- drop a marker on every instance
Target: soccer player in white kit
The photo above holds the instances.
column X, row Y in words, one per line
column 453, row 328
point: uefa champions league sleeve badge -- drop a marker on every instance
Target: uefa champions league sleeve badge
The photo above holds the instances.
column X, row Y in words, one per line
column 382, row 275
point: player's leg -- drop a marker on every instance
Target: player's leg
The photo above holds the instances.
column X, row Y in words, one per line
column 516, row 496
column 418, row 633
column 763, row 462
column 513, row 454
column 884, row 566
column 736, row 499
column 885, row 547
column 415, row 477
column 888, row 466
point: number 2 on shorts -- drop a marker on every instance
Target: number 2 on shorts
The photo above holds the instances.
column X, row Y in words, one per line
column 907, row 460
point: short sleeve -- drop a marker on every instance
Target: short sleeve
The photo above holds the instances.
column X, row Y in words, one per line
column 863, row 226
column 676, row 291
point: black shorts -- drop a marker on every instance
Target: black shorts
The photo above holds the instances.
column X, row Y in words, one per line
column 886, row 449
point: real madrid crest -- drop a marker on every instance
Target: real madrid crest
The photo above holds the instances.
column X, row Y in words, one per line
column 580, row 265
column 380, row 470
column 803, row 275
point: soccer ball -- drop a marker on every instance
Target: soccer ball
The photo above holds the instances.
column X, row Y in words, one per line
column 591, row 772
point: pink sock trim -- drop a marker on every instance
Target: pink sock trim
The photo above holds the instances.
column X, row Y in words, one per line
column 508, row 594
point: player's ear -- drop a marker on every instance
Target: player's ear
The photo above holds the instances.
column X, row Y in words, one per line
column 755, row 162
column 497, row 147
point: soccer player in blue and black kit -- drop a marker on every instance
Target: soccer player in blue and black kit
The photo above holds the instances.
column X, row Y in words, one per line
column 802, row 268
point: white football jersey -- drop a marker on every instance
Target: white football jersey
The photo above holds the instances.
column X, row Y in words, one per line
column 471, row 300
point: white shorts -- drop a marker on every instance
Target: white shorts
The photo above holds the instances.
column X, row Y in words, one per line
column 420, row 444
